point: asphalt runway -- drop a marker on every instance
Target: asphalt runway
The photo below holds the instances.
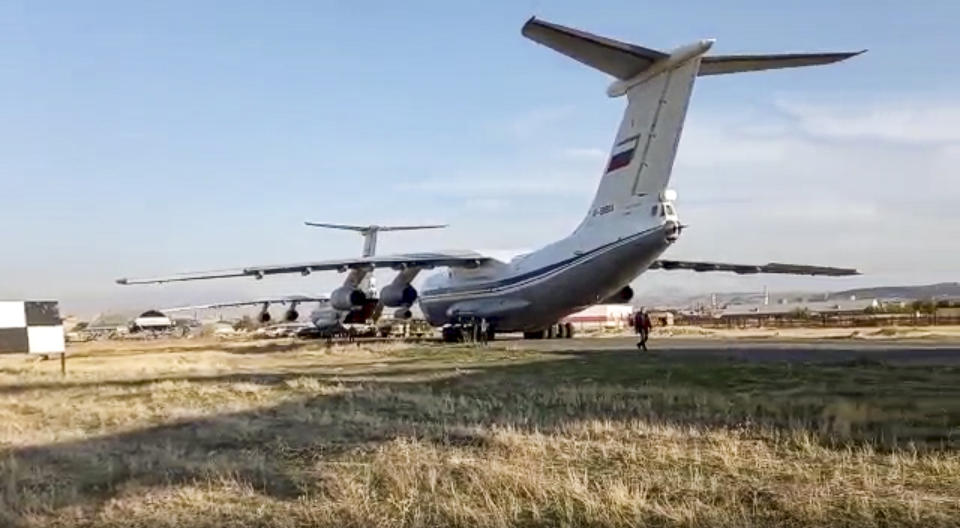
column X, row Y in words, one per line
column 924, row 352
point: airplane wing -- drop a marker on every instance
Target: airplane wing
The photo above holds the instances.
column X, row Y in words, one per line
column 720, row 64
column 397, row 262
column 257, row 302
column 745, row 269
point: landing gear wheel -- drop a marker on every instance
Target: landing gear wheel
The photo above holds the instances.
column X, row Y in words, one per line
column 452, row 334
column 551, row 331
column 568, row 331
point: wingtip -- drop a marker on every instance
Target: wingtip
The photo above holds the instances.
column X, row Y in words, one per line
column 530, row 21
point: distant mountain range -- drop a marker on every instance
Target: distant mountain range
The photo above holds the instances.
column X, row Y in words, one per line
column 943, row 290
column 678, row 299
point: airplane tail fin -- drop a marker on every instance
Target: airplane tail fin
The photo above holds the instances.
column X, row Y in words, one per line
column 360, row 228
column 369, row 232
column 658, row 86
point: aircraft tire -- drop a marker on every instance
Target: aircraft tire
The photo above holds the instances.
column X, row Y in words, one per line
column 452, row 334
column 568, row 330
column 551, row 331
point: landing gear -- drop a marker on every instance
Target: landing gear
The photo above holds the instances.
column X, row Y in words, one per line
column 452, row 334
column 467, row 331
column 534, row 334
column 559, row 330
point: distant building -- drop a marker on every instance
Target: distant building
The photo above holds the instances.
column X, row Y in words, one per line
column 838, row 307
column 949, row 312
column 598, row 316
column 662, row 317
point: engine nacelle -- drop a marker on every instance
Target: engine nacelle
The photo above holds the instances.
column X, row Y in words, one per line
column 402, row 313
column 398, row 295
column 264, row 317
column 291, row 315
column 624, row 295
column 347, row 298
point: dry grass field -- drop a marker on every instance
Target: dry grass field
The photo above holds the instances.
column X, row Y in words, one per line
column 296, row 434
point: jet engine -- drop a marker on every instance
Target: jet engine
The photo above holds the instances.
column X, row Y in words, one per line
column 291, row 315
column 398, row 295
column 622, row 296
column 347, row 298
column 402, row 313
column 264, row 316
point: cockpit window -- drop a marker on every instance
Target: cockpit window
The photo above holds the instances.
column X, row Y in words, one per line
column 653, row 211
column 668, row 208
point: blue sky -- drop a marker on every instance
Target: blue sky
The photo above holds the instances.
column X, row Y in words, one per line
column 144, row 138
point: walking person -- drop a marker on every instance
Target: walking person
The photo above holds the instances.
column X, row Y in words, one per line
column 641, row 325
column 647, row 326
column 484, row 331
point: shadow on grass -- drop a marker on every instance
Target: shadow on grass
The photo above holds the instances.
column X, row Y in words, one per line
column 268, row 447
column 269, row 377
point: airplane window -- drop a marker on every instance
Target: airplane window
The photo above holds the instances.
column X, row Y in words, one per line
column 653, row 211
column 668, row 209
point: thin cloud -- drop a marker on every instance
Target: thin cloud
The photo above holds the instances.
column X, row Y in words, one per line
column 487, row 187
column 592, row 154
column 506, row 183
column 536, row 121
column 709, row 145
column 486, row 204
column 900, row 121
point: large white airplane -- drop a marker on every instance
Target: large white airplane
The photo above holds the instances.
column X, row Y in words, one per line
column 631, row 222
column 325, row 317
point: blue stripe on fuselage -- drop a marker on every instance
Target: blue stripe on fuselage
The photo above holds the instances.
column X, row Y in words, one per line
column 482, row 287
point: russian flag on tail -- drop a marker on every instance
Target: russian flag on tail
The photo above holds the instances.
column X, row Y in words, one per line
column 622, row 154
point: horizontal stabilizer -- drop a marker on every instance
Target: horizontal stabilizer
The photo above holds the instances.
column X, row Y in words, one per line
column 625, row 61
column 720, row 64
column 616, row 58
column 746, row 269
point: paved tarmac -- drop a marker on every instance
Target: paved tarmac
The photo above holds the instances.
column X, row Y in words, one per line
column 932, row 352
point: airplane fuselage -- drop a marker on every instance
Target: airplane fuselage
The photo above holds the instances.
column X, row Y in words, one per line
column 538, row 289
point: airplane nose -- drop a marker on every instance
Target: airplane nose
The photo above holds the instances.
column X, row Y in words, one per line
column 671, row 230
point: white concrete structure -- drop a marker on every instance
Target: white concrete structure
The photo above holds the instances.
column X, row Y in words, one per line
column 613, row 316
